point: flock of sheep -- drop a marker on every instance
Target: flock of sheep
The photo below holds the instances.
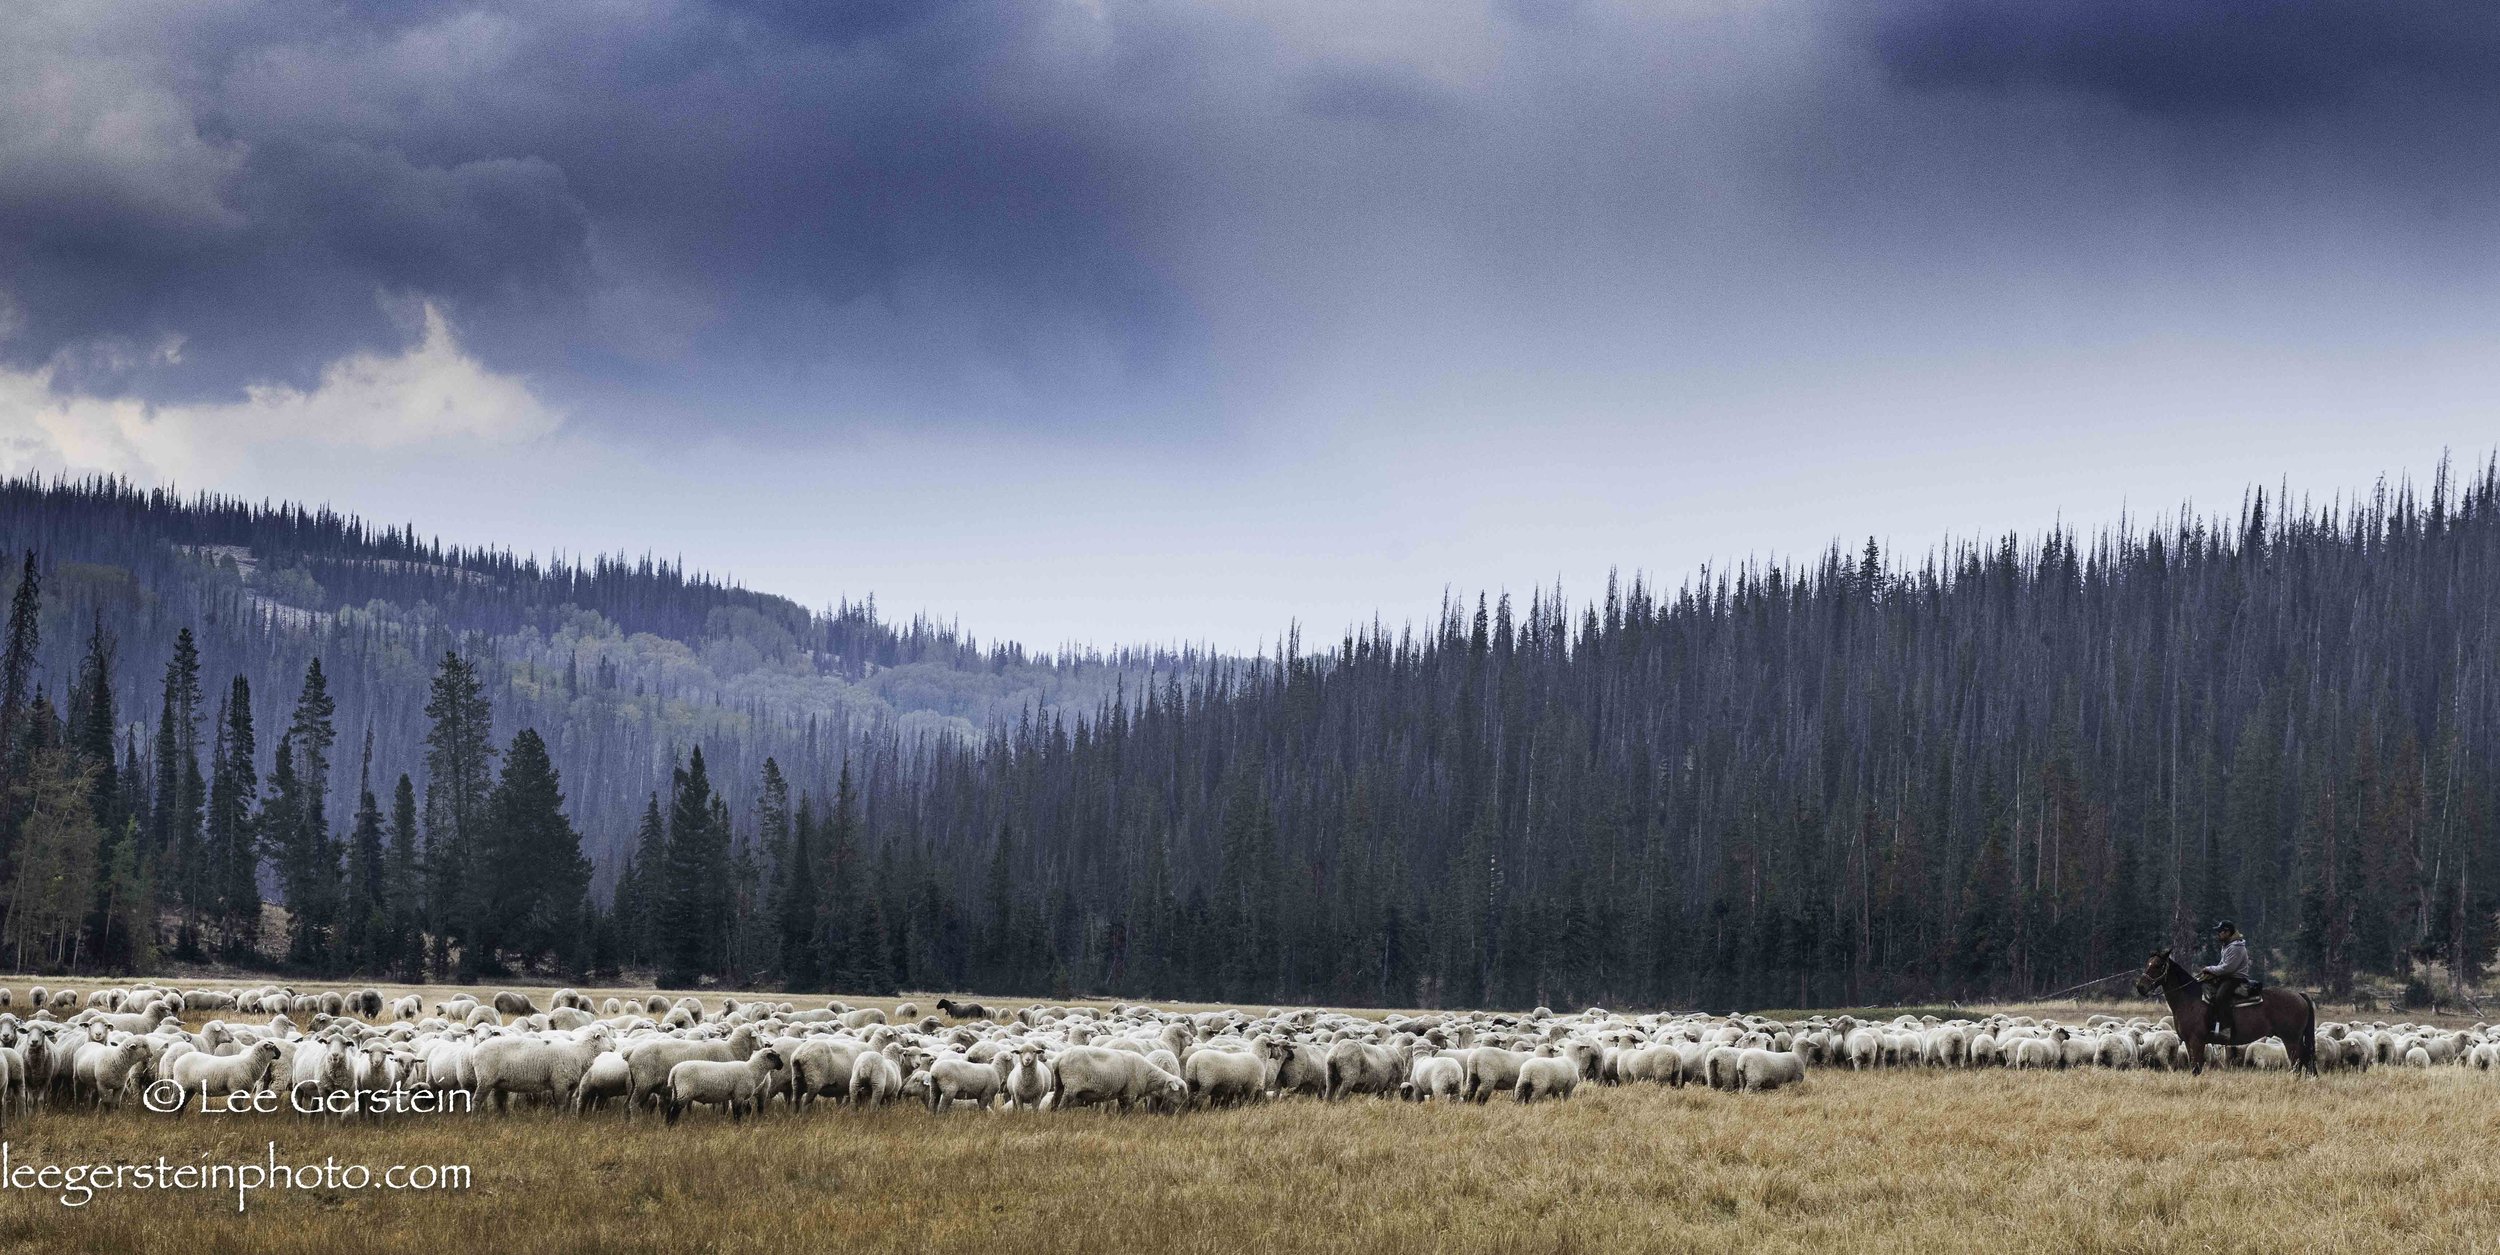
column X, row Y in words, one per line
column 357, row 1051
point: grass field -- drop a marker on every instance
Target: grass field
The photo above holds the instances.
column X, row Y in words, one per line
column 1914, row 1160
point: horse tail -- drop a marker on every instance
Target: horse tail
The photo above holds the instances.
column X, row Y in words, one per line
column 2308, row 1061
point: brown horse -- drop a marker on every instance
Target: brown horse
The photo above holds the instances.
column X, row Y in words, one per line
column 2280, row 1013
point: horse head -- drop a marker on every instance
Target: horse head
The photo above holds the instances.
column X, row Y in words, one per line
column 2156, row 971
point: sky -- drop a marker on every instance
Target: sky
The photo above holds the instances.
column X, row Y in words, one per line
column 1114, row 322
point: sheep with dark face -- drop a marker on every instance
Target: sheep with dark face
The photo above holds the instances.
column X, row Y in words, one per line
column 739, row 1087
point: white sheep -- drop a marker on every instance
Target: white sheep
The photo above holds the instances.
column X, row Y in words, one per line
column 1762, row 1070
column 875, row 1079
column 739, row 1087
column 1092, row 1075
column 1230, row 1078
column 201, row 1074
column 1547, row 1074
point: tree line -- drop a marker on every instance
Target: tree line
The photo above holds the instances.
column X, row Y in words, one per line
column 1993, row 770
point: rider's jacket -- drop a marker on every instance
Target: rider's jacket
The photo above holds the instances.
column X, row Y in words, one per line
column 2234, row 960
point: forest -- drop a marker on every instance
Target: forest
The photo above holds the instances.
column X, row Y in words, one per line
column 284, row 739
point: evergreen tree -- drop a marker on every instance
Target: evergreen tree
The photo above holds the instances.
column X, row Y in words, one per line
column 52, row 877
column 365, row 914
column 232, row 842
column 532, row 873
column 406, row 882
column 459, row 765
column 181, row 793
column 692, row 891
column 802, row 968
column 638, row 903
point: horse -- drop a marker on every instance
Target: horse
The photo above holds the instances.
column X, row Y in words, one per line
column 2279, row 1013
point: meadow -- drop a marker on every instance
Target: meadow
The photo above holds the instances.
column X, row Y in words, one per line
column 1895, row 1160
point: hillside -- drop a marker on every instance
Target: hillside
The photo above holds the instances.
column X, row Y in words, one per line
column 622, row 665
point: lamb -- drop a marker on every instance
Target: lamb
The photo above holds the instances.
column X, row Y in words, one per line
column 1434, row 1076
column 875, row 1079
column 739, row 1087
column 201, row 1073
column 653, row 1058
column 100, row 1072
column 324, row 1066
column 1029, row 1080
column 1547, row 1074
column 145, row 1021
column 1090, row 1075
column 954, row 1079
column 607, row 1077
column 1491, row 1069
column 2036, row 1052
column 1227, row 1078
column 1763, row 1070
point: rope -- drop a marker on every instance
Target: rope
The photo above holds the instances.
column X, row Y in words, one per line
column 2085, row 985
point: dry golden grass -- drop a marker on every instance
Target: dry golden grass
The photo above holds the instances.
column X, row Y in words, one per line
column 1904, row 1161
column 1909, row 1161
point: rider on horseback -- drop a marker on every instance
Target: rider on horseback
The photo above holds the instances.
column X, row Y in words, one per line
column 2223, row 980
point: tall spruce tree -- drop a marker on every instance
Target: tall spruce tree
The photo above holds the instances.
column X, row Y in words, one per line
column 459, row 764
column 364, row 915
column 692, row 889
column 531, row 865
column 405, row 945
column 181, row 793
column 232, row 841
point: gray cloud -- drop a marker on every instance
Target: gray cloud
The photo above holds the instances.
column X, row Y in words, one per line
column 1113, row 215
column 2263, row 57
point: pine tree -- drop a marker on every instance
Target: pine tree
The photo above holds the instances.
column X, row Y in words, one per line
column 691, row 893
column 52, row 877
column 459, row 764
column 532, row 875
column 638, row 903
column 93, row 734
column 802, row 969
column 18, row 657
column 364, row 915
column 181, row 794
column 232, row 846
column 405, row 886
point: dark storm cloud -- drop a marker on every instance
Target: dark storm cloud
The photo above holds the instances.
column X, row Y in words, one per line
column 745, row 178
column 1102, row 211
column 2188, row 57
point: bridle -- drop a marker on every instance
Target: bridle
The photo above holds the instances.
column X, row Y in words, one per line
column 2165, row 978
